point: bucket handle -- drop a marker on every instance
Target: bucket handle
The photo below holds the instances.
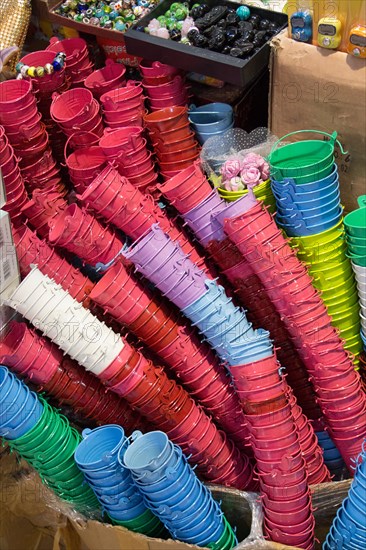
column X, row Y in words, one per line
column 333, row 139
column 362, row 201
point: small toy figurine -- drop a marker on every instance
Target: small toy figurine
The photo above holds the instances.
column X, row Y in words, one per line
column 357, row 42
column 301, row 26
column 329, row 33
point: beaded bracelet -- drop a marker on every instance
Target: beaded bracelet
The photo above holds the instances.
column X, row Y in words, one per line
column 56, row 65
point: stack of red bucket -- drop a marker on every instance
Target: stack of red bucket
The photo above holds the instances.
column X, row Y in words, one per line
column 280, row 464
column 77, row 231
column 175, row 144
column 113, row 198
column 288, row 285
column 41, row 208
column 127, row 147
column 119, row 294
column 78, row 65
column 104, row 80
column 124, row 106
column 85, row 161
column 32, row 251
column 77, row 111
column 42, row 362
column 168, row 406
column 163, row 84
column 16, row 195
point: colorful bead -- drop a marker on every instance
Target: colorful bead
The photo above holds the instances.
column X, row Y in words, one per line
column 56, row 65
column 31, row 71
column 48, row 68
column 24, row 69
column 95, row 21
column 137, row 11
column 40, row 71
column 243, row 12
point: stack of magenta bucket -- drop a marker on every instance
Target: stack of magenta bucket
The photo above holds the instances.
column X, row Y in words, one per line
column 164, row 85
column 113, row 198
column 172, row 491
column 127, row 372
column 123, row 106
column 305, row 183
column 127, row 148
column 329, row 365
column 78, row 65
column 45, row 439
column 25, row 155
column 41, row 362
column 77, row 110
column 98, row 456
column 31, row 249
column 106, row 79
column 77, row 231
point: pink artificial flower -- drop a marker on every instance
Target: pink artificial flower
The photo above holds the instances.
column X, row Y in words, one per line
column 252, row 159
column 234, row 184
column 250, row 175
column 265, row 171
column 230, row 169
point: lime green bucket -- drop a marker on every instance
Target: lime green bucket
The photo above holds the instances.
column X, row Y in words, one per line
column 355, row 222
column 303, row 159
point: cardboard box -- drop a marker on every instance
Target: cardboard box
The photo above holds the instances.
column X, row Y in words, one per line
column 6, row 237
column 9, row 268
column 317, row 89
column 31, row 516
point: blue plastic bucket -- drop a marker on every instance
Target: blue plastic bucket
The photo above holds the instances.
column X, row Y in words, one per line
column 317, row 187
column 126, row 515
column 25, row 419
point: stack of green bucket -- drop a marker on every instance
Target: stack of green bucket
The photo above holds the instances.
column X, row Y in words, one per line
column 325, row 257
column 355, row 224
column 49, row 447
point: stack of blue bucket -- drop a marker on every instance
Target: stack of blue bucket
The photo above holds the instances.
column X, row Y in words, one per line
column 226, row 327
column 20, row 408
column 332, row 457
column 174, row 493
column 211, row 120
column 348, row 531
column 98, row 456
column 305, row 184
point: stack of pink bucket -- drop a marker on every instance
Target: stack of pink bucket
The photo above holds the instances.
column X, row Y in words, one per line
column 78, row 65
column 16, row 195
column 33, row 251
column 41, row 208
column 86, row 159
column 119, row 203
column 288, row 284
column 163, row 84
column 104, row 80
column 280, row 464
column 77, row 111
column 77, row 231
column 128, row 149
column 124, row 106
